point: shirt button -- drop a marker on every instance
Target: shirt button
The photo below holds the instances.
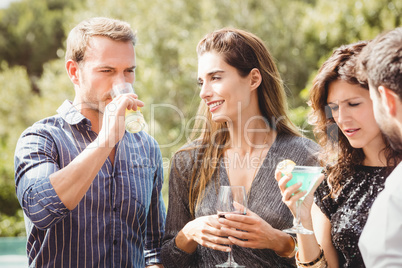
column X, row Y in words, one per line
column 114, row 209
column 114, row 242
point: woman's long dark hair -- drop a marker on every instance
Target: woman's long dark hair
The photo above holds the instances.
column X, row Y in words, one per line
column 338, row 155
column 244, row 51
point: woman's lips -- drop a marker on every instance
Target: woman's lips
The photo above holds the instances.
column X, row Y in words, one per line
column 351, row 131
column 213, row 106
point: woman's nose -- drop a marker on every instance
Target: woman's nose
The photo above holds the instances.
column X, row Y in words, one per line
column 205, row 92
column 343, row 114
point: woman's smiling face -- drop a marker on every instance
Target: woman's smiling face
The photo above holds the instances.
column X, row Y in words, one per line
column 225, row 92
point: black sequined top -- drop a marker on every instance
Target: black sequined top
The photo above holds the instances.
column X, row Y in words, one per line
column 349, row 211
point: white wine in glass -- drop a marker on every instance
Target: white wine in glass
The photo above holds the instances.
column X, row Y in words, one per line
column 134, row 120
column 231, row 200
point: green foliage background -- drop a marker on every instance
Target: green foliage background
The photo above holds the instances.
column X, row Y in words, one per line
column 300, row 34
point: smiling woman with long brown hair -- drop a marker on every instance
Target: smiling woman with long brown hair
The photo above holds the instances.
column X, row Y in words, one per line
column 245, row 132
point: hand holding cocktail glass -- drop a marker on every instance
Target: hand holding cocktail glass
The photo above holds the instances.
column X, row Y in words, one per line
column 298, row 184
column 134, row 120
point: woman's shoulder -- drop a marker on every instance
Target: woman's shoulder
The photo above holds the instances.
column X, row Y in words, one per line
column 187, row 154
column 189, row 149
column 184, row 162
column 323, row 199
column 301, row 150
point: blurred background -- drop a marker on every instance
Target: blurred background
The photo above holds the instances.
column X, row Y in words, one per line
column 300, row 34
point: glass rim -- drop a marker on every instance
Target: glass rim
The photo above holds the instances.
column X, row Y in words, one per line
column 232, row 186
column 121, row 88
column 307, row 168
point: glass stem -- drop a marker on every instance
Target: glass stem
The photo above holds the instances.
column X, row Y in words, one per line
column 230, row 256
column 298, row 209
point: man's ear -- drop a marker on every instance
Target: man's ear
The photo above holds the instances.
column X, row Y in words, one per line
column 255, row 78
column 73, row 71
column 389, row 99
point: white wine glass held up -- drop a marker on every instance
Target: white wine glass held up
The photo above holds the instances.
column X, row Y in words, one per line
column 134, row 120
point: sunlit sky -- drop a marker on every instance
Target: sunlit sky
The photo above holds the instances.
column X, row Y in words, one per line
column 5, row 3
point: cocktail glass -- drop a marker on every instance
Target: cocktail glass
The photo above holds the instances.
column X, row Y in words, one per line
column 307, row 175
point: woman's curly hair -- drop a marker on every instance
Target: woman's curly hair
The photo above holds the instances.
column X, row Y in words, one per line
column 338, row 155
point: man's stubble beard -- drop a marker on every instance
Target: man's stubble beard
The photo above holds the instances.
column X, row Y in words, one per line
column 390, row 130
column 90, row 101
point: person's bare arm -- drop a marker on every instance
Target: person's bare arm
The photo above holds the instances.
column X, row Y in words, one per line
column 322, row 230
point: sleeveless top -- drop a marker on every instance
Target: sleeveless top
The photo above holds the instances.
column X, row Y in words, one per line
column 348, row 212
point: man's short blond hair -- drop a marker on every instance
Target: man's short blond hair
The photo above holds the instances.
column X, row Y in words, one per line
column 80, row 35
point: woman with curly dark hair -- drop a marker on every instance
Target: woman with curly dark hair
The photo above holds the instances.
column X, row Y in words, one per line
column 357, row 160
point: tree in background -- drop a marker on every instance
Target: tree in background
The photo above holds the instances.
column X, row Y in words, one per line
column 31, row 33
column 31, row 36
column 33, row 82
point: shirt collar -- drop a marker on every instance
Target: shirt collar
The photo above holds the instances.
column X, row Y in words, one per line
column 70, row 113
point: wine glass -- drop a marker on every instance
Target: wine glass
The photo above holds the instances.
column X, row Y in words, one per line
column 307, row 175
column 134, row 120
column 231, row 200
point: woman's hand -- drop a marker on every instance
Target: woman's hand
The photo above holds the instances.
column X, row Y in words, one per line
column 291, row 194
column 251, row 231
column 205, row 231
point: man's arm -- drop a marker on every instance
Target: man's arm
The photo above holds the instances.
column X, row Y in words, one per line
column 72, row 182
column 47, row 191
column 35, row 159
column 42, row 193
